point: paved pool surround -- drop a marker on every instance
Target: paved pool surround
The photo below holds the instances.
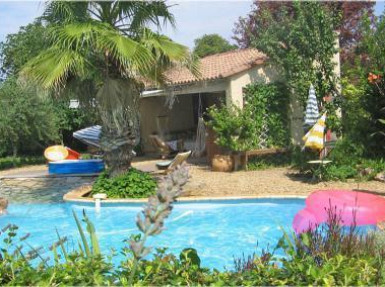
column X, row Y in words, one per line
column 82, row 195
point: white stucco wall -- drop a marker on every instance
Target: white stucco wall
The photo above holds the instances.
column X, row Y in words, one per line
column 236, row 83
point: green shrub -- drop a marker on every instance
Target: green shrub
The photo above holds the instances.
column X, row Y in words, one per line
column 269, row 161
column 371, row 167
column 347, row 152
column 232, row 126
column 11, row 162
column 300, row 158
column 336, row 172
column 133, row 184
column 362, row 169
column 348, row 161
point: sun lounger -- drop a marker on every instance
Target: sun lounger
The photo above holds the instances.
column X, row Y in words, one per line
column 167, row 166
column 166, row 148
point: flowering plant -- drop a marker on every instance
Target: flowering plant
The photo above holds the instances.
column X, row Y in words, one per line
column 372, row 78
column 150, row 221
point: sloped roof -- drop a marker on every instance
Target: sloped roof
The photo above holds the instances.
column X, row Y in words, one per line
column 217, row 66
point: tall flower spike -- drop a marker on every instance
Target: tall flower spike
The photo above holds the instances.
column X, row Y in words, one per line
column 150, row 221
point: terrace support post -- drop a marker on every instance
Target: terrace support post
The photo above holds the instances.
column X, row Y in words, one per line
column 296, row 119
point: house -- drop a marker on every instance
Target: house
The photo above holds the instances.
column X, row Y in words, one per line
column 223, row 77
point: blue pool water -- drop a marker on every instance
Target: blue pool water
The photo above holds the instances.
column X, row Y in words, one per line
column 219, row 230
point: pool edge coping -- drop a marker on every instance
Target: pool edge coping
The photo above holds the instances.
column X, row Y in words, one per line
column 77, row 196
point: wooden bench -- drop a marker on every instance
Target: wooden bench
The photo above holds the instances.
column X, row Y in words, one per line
column 244, row 156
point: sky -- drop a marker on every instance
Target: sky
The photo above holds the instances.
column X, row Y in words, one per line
column 193, row 18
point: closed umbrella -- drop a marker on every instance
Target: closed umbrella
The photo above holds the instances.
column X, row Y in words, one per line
column 89, row 136
column 314, row 139
column 312, row 112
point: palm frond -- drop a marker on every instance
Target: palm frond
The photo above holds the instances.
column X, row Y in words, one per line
column 126, row 53
column 192, row 62
column 144, row 54
column 138, row 14
column 132, row 57
column 163, row 45
column 63, row 12
column 168, row 54
column 52, row 67
column 73, row 36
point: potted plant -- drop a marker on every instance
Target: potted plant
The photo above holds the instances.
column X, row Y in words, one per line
column 233, row 129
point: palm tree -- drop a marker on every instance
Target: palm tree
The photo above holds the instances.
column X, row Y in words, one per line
column 110, row 43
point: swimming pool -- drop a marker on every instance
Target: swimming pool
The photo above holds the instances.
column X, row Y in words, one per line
column 219, row 230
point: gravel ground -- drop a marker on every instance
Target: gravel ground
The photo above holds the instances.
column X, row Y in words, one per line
column 275, row 181
column 205, row 183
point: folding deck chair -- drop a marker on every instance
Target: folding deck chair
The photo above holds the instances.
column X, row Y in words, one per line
column 165, row 167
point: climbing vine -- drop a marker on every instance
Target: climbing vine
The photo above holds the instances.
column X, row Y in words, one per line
column 267, row 106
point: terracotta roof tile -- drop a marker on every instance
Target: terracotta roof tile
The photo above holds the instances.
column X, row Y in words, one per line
column 218, row 66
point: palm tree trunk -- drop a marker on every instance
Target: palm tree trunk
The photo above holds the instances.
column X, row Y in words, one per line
column 118, row 103
column 118, row 157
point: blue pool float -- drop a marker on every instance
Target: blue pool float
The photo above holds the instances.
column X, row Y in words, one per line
column 88, row 166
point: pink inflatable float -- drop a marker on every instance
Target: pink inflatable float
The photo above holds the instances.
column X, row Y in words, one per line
column 351, row 206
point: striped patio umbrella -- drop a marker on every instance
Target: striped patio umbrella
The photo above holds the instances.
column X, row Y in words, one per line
column 89, row 136
column 314, row 139
column 312, row 112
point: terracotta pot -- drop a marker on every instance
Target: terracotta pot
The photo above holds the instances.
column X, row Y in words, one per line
column 222, row 163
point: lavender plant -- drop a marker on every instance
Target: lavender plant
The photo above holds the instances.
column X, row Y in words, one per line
column 150, row 221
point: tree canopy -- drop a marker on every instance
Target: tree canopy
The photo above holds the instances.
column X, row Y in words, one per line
column 27, row 120
column 349, row 13
column 212, row 44
column 301, row 45
column 301, row 36
column 19, row 48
